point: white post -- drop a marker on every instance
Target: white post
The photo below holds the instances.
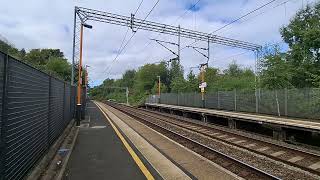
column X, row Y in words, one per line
column 127, row 95
column 235, row 99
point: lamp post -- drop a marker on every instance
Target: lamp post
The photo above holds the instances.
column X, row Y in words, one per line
column 78, row 108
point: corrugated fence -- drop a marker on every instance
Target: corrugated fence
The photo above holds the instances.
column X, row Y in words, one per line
column 299, row 103
column 35, row 108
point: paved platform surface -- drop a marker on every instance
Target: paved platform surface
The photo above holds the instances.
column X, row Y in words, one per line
column 193, row 164
column 300, row 123
column 100, row 154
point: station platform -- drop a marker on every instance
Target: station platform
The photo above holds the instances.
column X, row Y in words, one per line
column 281, row 127
column 100, row 153
column 301, row 123
column 113, row 145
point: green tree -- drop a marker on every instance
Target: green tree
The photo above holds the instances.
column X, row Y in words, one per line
column 276, row 71
column 193, row 82
column 176, row 70
column 127, row 79
column 59, row 67
column 179, row 85
column 146, row 76
column 233, row 70
column 40, row 57
column 155, row 90
column 303, row 37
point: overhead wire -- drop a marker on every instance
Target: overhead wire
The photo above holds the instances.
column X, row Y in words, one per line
column 125, row 36
column 126, row 44
column 243, row 16
column 178, row 18
column 235, row 20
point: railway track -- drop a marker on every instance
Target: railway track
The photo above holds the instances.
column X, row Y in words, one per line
column 295, row 157
column 240, row 168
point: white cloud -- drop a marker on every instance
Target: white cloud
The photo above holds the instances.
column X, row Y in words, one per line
column 49, row 24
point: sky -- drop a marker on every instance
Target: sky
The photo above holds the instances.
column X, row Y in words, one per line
column 49, row 24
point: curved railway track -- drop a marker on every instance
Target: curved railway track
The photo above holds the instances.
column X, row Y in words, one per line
column 239, row 168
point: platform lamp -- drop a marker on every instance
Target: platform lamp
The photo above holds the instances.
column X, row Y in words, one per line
column 80, row 75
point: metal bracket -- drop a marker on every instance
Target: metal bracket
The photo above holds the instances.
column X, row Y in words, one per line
column 132, row 23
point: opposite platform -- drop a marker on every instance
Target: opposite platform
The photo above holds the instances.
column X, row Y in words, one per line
column 258, row 118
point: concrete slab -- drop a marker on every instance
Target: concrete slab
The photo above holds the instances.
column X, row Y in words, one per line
column 240, row 141
column 263, row 148
column 315, row 165
column 163, row 165
column 250, row 145
column 278, row 153
column 99, row 153
column 295, row 159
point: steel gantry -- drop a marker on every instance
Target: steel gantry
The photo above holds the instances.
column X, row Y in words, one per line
column 81, row 15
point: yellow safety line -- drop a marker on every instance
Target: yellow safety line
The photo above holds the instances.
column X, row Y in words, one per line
column 135, row 157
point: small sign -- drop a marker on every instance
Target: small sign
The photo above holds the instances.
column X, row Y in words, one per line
column 203, row 85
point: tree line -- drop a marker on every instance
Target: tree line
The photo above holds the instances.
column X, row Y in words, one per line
column 298, row 67
column 51, row 61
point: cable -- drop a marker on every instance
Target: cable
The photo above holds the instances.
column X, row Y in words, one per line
column 132, row 36
column 159, row 34
column 236, row 20
column 125, row 36
column 138, row 7
column 283, row 3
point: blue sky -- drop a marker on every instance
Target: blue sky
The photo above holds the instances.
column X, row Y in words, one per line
column 49, row 24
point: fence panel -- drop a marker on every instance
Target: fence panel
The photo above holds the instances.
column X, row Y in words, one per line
column 212, row 100
column 73, row 100
column 2, row 59
column 67, row 111
column 246, row 101
column 33, row 117
column 27, row 118
column 271, row 102
column 56, row 109
column 226, row 99
column 304, row 103
column 299, row 103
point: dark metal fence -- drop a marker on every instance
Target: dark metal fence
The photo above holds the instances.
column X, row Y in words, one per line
column 34, row 110
column 300, row 103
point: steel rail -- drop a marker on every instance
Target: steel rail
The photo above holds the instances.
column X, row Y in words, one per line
column 131, row 113
column 240, row 146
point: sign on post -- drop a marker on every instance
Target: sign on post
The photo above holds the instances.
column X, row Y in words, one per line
column 203, row 85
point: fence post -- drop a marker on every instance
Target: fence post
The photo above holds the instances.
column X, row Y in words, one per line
column 178, row 99
column 64, row 101
column 218, row 100
column 4, row 117
column 235, row 99
column 257, row 99
column 70, row 97
column 286, row 102
column 49, row 104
